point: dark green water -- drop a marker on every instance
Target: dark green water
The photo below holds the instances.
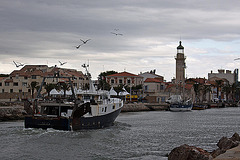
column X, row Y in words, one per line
column 136, row 135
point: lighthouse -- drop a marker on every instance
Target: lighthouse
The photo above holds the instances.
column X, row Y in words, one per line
column 180, row 64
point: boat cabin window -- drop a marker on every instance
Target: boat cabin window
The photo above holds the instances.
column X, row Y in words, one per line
column 50, row 110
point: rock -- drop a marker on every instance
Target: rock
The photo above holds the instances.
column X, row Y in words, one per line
column 235, row 137
column 186, row 152
column 225, row 143
column 217, row 152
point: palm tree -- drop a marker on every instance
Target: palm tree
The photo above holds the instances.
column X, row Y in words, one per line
column 206, row 89
column 64, row 86
column 33, row 86
column 219, row 84
column 227, row 89
column 197, row 88
column 49, row 87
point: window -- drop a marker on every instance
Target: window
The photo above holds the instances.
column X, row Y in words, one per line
column 24, row 83
column 163, row 99
column 2, row 90
column 15, row 84
column 25, row 77
column 161, row 87
column 128, row 81
column 6, row 83
column 34, row 77
column 146, row 88
column 120, row 81
column 112, row 81
column 11, row 90
column 20, row 91
column 0, row 83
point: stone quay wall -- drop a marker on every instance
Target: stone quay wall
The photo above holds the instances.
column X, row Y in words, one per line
column 137, row 107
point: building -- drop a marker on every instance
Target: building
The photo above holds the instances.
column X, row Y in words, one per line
column 125, row 79
column 150, row 74
column 18, row 84
column 180, row 64
column 154, row 90
column 226, row 76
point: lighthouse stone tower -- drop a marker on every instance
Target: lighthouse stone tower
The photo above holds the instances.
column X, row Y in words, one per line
column 180, row 64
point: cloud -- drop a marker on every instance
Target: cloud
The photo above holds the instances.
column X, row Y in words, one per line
column 43, row 32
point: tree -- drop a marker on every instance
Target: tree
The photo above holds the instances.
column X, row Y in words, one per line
column 119, row 88
column 102, row 80
column 49, row 87
column 206, row 89
column 196, row 87
column 227, row 90
column 64, row 86
column 33, row 86
column 219, row 84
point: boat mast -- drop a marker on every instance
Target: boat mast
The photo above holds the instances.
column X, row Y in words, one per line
column 89, row 77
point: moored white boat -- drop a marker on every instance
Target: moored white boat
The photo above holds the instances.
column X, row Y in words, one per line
column 177, row 104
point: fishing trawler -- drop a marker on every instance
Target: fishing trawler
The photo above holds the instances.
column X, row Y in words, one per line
column 90, row 109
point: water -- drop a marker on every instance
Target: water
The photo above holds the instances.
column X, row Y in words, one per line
column 135, row 135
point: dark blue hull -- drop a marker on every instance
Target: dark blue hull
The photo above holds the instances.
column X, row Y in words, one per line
column 60, row 123
column 95, row 122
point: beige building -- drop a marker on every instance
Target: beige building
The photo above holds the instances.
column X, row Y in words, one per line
column 227, row 76
column 154, row 90
column 18, row 84
column 125, row 79
column 146, row 75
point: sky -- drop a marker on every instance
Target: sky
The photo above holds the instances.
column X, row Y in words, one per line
column 45, row 32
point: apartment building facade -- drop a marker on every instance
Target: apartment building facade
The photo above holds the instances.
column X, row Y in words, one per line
column 125, row 79
column 18, row 84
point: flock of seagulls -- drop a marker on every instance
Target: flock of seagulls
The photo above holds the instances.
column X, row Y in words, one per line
column 115, row 32
column 83, row 42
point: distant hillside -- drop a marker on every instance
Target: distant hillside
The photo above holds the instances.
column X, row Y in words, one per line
column 4, row 75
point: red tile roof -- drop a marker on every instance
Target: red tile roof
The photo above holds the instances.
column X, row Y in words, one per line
column 123, row 74
column 152, row 80
column 2, row 78
column 188, row 86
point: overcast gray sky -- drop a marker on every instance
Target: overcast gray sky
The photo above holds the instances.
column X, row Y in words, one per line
column 45, row 32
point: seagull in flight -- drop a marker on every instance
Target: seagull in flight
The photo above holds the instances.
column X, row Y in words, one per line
column 62, row 63
column 117, row 34
column 17, row 64
column 84, row 42
column 236, row 59
column 78, row 46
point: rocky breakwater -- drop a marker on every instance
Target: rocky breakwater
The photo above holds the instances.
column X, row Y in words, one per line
column 136, row 107
column 8, row 113
column 186, row 152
